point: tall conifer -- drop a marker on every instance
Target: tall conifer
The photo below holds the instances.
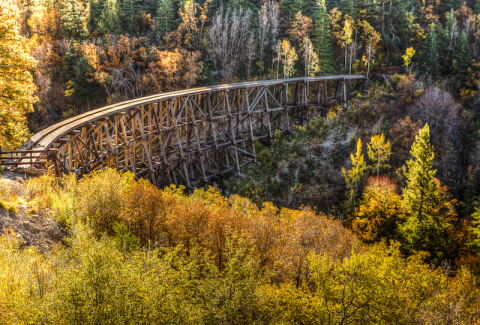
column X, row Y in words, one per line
column 131, row 11
column 429, row 57
column 461, row 60
column 74, row 19
column 350, row 8
column 95, row 11
column 83, row 83
column 69, row 62
column 109, row 22
column 321, row 39
column 423, row 229
column 164, row 16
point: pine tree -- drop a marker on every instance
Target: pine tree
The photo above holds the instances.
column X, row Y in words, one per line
column 350, row 8
column 476, row 8
column 321, row 39
column 74, row 19
column 83, row 83
column 131, row 12
column 446, row 5
column 379, row 151
column 109, row 22
column 165, row 16
column 423, row 229
column 292, row 7
column 330, row 4
column 69, row 62
column 429, row 59
column 444, row 56
column 461, row 60
column 16, row 82
column 94, row 13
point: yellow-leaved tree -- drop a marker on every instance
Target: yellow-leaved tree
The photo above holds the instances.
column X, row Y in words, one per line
column 16, row 82
column 353, row 175
column 379, row 151
column 375, row 217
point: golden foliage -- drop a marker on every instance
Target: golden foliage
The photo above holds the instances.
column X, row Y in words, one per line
column 222, row 260
column 378, row 208
column 16, row 83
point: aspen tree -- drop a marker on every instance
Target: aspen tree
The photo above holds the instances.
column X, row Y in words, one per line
column 352, row 177
column 378, row 151
column 371, row 39
column 347, row 36
column 16, row 83
column 289, row 57
column 310, row 58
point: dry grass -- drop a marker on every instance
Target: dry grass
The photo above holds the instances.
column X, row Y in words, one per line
column 8, row 207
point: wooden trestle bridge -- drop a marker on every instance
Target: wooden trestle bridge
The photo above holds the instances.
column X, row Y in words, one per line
column 190, row 137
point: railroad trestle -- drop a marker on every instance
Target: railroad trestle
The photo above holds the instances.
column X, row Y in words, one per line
column 190, row 137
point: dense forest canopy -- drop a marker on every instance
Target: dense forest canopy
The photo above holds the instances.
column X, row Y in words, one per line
column 370, row 214
column 93, row 52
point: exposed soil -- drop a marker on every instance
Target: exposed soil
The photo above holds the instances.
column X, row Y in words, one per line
column 34, row 227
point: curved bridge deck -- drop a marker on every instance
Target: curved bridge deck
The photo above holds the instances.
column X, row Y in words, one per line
column 189, row 137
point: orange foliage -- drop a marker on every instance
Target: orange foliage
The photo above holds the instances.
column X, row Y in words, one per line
column 470, row 261
column 171, row 70
column 206, row 219
column 300, row 29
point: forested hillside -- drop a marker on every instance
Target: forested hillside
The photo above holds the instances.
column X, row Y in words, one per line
column 369, row 214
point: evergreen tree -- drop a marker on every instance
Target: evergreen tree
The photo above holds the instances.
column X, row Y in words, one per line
column 83, row 83
column 321, row 40
column 461, row 60
column 350, row 8
column 16, row 82
column 74, row 19
column 330, row 4
column 444, row 56
column 109, row 22
column 423, row 229
column 476, row 8
column 69, row 62
column 94, row 13
column 429, row 59
column 446, row 5
column 165, row 16
column 131, row 12
column 292, row 7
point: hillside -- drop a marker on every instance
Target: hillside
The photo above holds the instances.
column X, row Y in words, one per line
column 368, row 213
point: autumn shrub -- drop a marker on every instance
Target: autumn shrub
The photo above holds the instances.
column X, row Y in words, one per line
column 91, row 282
column 145, row 212
column 207, row 259
column 6, row 190
column 100, row 198
column 376, row 286
column 39, row 189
